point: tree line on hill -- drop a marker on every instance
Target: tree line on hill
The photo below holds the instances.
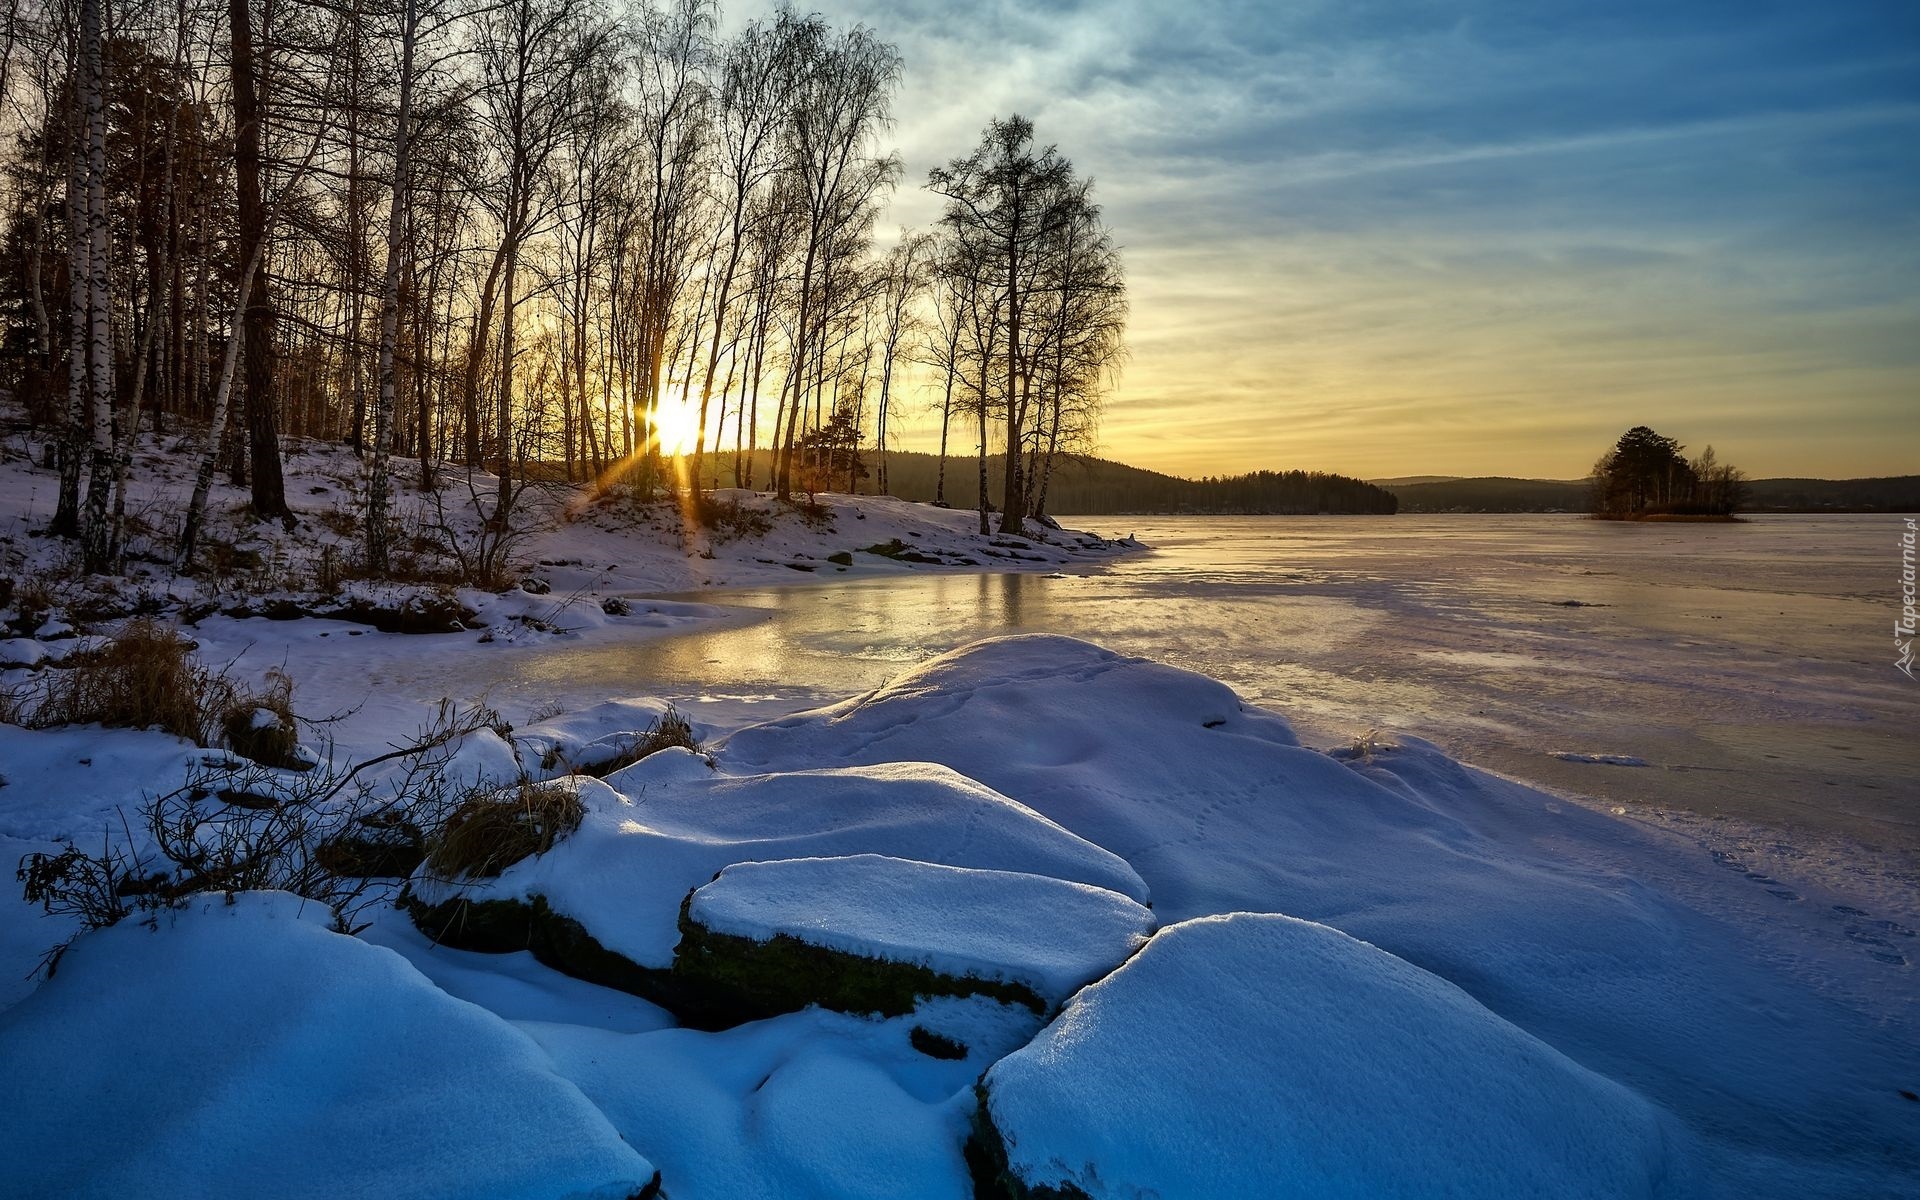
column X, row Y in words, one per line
column 486, row 235
column 1098, row 486
column 1898, row 493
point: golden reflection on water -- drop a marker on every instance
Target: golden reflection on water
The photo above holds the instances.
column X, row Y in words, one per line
column 1732, row 657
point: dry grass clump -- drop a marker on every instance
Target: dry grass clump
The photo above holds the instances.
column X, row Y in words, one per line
column 273, row 743
column 146, row 676
column 484, row 835
column 15, row 705
column 672, row 729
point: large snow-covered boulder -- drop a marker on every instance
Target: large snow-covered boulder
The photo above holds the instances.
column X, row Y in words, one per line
column 868, row 933
column 1583, row 929
column 605, row 902
column 247, row 1050
column 1215, row 803
column 1258, row 1055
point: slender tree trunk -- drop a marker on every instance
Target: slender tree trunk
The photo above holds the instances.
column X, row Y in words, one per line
column 217, row 427
column 783, row 475
column 378, row 485
column 263, row 436
column 72, row 444
column 503, row 508
column 477, row 356
column 946, row 411
column 96, row 535
column 752, row 415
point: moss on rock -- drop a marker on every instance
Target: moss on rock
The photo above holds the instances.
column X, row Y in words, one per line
column 558, row 941
column 747, row 980
column 993, row 1176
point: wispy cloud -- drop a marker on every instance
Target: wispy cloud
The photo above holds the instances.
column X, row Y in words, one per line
column 1395, row 236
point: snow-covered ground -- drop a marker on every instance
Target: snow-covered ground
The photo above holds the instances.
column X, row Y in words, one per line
column 1467, row 987
column 578, row 554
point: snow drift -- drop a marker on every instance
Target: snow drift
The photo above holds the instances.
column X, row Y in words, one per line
column 246, row 1050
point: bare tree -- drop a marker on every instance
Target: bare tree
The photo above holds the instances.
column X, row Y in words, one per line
column 269, row 491
column 1014, row 196
column 536, row 58
column 903, row 280
column 840, row 90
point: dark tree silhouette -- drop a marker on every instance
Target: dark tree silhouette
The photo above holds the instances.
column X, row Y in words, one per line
column 1644, row 474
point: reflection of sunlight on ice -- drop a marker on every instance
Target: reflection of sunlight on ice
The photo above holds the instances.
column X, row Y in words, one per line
column 1732, row 652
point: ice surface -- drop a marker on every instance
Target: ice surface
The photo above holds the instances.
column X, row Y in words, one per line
column 1263, row 1056
column 246, row 1050
column 1052, row 936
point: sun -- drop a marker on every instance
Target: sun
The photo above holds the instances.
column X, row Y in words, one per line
column 677, row 425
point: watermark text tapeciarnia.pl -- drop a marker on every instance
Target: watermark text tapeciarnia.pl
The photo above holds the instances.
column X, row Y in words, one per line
column 1904, row 624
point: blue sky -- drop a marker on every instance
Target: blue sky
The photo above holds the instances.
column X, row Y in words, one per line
column 1472, row 237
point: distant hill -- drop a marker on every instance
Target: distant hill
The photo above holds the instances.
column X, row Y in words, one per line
column 1898, row 493
column 1094, row 487
column 1892, row 493
column 1098, row 486
column 1492, row 495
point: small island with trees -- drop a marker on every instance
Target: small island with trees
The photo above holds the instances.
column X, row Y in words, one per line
column 1644, row 477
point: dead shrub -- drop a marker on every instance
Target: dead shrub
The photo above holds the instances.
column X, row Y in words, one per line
column 233, row 826
column 342, row 521
column 13, row 705
column 146, row 676
column 486, row 834
column 729, row 520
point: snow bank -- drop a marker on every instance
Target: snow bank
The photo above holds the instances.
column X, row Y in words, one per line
column 1216, row 805
column 674, row 823
column 1264, row 1056
column 1046, row 934
column 66, row 784
column 245, row 1050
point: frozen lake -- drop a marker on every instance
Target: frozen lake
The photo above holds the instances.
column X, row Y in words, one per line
column 1749, row 666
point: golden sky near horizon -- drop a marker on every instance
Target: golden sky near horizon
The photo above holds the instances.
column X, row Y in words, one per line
column 1469, row 238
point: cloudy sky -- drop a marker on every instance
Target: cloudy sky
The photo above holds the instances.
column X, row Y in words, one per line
column 1393, row 237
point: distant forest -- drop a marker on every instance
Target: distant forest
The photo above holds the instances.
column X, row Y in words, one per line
column 1097, row 486
column 1897, row 493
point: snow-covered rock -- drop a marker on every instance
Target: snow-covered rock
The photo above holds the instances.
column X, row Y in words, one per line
column 674, row 823
column 1216, row 804
column 1045, row 936
column 1587, row 931
column 22, row 652
column 246, row 1050
column 1257, row 1055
